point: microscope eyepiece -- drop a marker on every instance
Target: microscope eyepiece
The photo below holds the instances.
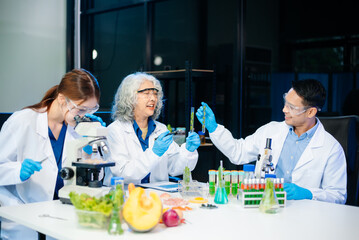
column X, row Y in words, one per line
column 269, row 143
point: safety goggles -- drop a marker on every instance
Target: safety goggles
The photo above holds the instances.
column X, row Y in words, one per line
column 80, row 110
column 294, row 110
column 148, row 92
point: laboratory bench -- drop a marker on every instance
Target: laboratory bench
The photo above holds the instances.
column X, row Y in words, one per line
column 303, row 219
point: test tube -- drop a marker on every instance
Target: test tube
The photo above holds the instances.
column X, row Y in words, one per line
column 257, row 189
column 245, row 189
column 212, row 182
column 276, row 184
column 250, row 189
column 248, row 171
column 240, row 178
column 227, row 181
column 234, row 180
column 262, row 184
column 191, row 128
column 204, row 120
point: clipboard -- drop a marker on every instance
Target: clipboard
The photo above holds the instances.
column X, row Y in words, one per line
column 162, row 186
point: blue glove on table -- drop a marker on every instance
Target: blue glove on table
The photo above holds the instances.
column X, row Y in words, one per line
column 192, row 141
column 162, row 143
column 95, row 118
column 210, row 119
column 28, row 167
column 294, row 192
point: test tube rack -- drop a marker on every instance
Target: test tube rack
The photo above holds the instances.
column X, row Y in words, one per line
column 253, row 199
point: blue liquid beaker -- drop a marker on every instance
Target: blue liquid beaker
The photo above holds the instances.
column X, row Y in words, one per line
column 221, row 196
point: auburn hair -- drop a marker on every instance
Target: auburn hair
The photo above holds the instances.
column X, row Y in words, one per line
column 78, row 84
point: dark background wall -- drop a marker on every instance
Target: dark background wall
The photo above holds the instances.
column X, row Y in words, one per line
column 256, row 47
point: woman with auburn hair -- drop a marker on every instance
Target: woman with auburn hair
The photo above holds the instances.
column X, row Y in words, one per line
column 40, row 132
column 140, row 146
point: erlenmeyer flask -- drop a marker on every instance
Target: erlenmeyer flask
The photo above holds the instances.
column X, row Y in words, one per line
column 221, row 194
column 269, row 202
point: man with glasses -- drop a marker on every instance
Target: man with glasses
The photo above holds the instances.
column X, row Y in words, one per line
column 311, row 161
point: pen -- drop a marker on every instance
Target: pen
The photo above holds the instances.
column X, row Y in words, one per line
column 42, row 160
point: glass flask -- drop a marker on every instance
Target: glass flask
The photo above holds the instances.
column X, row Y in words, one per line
column 269, row 202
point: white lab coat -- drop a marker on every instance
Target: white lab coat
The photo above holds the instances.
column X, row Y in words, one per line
column 321, row 168
column 25, row 135
column 133, row 164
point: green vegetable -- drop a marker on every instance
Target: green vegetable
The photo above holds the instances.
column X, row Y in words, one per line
column 269, row 202
column 92, row 205
column 103, row 204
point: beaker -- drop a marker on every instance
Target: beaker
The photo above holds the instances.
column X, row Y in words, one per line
column 269, row 202
column 221, row 194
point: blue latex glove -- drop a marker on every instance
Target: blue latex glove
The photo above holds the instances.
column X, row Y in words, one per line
column 28, row 167
column 192, row 141
column 162, row 143
column 294, row 192
column 210, row 120
column 95, row 118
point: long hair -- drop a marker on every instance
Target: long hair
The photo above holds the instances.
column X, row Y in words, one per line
column 78, row 84
column 126, row 96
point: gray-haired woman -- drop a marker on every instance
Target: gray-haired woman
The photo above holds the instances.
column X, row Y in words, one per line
column 140, row 146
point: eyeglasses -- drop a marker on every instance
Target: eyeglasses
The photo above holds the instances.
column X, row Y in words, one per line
column 80, row 110
column 148, row 92
column 294, row 110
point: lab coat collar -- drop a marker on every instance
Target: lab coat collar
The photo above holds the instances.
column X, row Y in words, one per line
column 42, row 128
column 317, row 141
column 71, row 134
column 128, row 128
column 42, row 124
column 278, row 145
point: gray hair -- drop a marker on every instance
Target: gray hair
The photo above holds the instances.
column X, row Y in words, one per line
column 126, row 96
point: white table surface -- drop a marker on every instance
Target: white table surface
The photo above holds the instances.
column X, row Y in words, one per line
column 302, row 220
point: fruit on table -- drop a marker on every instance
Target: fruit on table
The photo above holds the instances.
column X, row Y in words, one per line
column 131, row 187
column 198, row 200
column 171, row 218
column 142, row 213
